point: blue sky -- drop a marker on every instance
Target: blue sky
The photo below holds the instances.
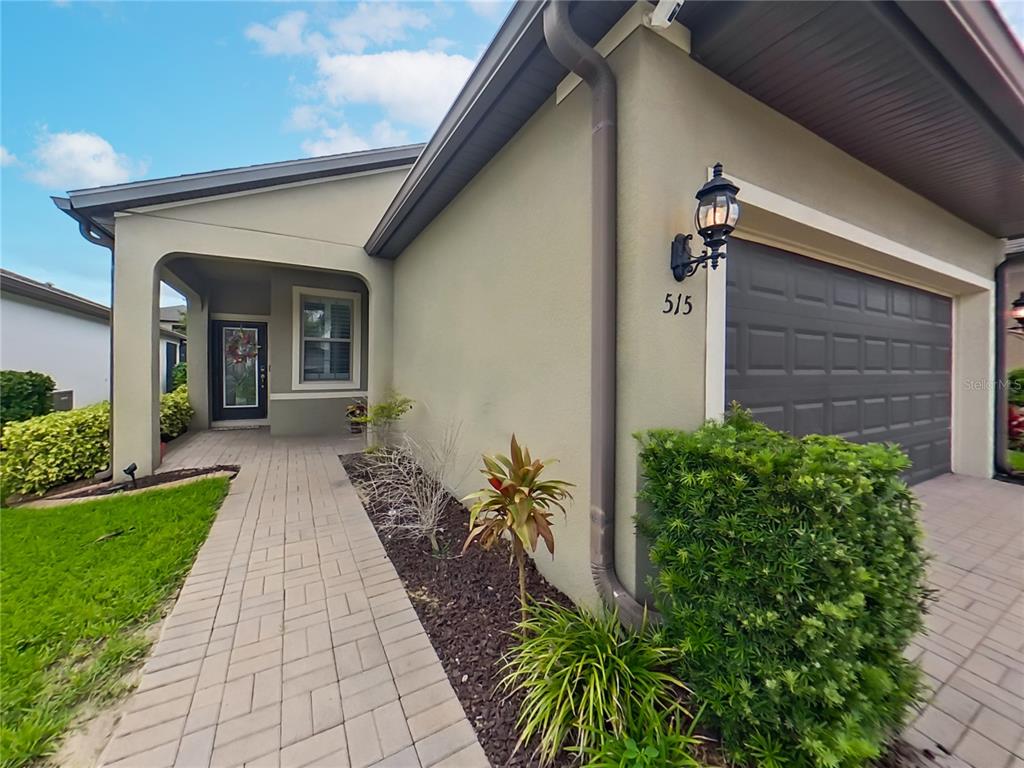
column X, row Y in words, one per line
column 100, row 93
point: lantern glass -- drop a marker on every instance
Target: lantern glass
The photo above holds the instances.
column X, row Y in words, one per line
column 721, row 210
column 1017, row 313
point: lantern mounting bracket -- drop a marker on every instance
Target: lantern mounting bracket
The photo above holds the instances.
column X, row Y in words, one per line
column 684, row 263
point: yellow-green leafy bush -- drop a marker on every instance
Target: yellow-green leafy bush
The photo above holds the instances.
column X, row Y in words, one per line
column 791, row 576
column 47, row 451
column 57, row 448
column 175, row 412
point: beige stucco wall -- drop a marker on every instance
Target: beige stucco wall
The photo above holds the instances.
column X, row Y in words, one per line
column 507, row 347
column 284, row 227
column 492, row 317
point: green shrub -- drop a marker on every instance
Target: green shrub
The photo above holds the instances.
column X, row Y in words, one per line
column 661, row 744
column 47, row 451
column 179, row 375
column 792, row 578
column 57, row 448
column 24, row 394
column 384, row 415
column 175, row 413
column 585, row 677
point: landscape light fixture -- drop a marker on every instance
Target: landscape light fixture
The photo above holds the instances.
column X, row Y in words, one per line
column 716, row 217
column 1017, row 310
column 130, row 470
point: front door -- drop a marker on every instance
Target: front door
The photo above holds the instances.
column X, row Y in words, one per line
column 238, row 370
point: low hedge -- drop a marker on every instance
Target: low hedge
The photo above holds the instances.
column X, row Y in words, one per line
column 47, row 451
column 792, row 578
column 54, row 449
column 175, row 413
column 24, row 394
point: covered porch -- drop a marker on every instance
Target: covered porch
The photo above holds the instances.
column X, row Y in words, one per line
column 273, row 344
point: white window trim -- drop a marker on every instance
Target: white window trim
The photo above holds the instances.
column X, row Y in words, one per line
column 357, row 339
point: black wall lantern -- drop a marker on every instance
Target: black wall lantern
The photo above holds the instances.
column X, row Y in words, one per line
column 1017, row 311
column 716, row 217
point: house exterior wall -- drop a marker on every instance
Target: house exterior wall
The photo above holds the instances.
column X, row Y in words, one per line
column 492, row 319
column 291, row 226
column 677, row 119
column 71, row 348
column 492, row 299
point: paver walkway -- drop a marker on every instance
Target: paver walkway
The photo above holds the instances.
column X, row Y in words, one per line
column 973, row 652
column 293, row 642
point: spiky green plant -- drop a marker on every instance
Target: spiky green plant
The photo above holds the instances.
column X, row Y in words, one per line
column 585, row 676
column 516, row 501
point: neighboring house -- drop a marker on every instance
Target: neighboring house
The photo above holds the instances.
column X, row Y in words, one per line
column 879, row 152
column 45, row 329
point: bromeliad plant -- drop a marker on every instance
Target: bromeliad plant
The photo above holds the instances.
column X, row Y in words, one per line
column 518, row 502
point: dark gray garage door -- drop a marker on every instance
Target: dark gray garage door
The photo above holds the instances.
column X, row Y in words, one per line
column 815, row 348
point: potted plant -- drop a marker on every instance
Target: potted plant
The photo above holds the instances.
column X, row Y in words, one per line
column 356, row 413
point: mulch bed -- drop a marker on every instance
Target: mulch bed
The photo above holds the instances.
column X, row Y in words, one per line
column 469, row 605
column 150, row 481
column 83, row 489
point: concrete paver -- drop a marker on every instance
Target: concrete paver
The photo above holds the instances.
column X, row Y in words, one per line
column 973, row 651
column 292, row 641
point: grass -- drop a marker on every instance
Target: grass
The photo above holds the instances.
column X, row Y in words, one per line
column 1016, row 460
column 74, row 605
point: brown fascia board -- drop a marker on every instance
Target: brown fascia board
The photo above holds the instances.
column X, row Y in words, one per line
column 13, row 283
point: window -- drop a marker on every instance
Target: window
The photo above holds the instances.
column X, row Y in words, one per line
column 326, row 327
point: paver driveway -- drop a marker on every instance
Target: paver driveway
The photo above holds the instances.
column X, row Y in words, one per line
column 973, row 652
column 293, row 642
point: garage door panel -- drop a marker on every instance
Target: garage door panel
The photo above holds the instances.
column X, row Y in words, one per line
column 815, row 348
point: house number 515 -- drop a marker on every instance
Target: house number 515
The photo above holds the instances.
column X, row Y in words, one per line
column 674, row 303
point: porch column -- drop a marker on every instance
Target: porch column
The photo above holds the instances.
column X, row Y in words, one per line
column 380, row 334
column 198, row 332
column 136, row 319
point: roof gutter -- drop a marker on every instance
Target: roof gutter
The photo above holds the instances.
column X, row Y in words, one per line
column 573, row 53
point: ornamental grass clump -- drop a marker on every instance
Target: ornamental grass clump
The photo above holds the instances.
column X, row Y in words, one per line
column 791, row 576
column 587, row 679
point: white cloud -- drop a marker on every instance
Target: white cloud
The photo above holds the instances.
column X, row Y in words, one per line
column 411, row 86
column 488, row 8
column 375, row 24
column 284, row 37
column 344, row 138
column 306, row 117
column 7, row 158
column 369, row 24
column 78, row 159
column 440, row 43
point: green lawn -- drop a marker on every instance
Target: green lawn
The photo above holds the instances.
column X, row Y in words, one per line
column 73, row 606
